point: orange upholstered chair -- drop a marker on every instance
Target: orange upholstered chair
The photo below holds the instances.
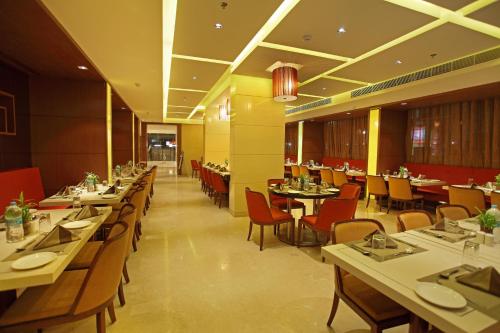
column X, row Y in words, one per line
column 280, row 202
column 472, row 198
column 349, row 191
column 495, row 198
column 295, row 171
column 260, row 214
column 195, row 168
column 452, row 212
column 331, row 211
column 400, row 191
column 339, row 178
column 326, row 176
column 378, row 310
column 221, row 191
column 413, row 219
column 377, row 187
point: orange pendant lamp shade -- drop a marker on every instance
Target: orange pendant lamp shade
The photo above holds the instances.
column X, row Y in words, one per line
column 285, row 84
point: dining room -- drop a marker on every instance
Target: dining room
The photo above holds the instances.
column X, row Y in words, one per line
column 255, row 166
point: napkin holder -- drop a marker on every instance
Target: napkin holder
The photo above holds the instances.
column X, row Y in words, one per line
column 86, row 212
column 486, row 279
column 58, row 235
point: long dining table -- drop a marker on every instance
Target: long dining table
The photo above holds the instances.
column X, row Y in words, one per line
column 398, row 278
column 87, row 198
column 16, row 279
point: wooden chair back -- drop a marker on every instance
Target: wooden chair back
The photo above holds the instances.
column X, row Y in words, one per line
column 452, row 212
column 400, row 188
column 413, row 219
column 304, row 170
column 339, row 178
column 295, row 171
column 472, row 198
column 326, row 176
column 376, row 185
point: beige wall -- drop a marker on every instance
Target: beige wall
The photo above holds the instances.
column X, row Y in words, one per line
column 257, row 134
column 216, row 135
column 192, row 145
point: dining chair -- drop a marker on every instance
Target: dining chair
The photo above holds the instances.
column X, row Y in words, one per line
column 495, row 198
column 400, row 191
column 280, row 202
column 75, row 295
column 378, row 310
column 263, row 215
column 203, row 176
column 221, row 191
column 349, row 191
column 154, row 170
column 195, row 168
column 326, row 176
column 210, row 191
column 339, row 178
column 377, row 187
column 138, row 200
column 331, row 211
column 413, row 219
column 295, row 171
column 452, row 212
column 472, row 198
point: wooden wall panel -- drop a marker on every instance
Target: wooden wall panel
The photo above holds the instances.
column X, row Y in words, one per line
column 15, row 150
column 136, row 139
column 312, row 141
column 122, row 136
column 391, row 145
column 144, row 142
column 291, row 135
column 68, row 129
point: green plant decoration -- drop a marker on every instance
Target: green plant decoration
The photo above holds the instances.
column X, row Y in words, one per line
column 25, row 206
column 487, row 220
column 90, row 176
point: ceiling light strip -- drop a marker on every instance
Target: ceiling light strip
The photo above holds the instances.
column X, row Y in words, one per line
column 214, row 61
column 279, row 14
column 169, row 9
column 189, row 90
column 180, row 106
column 312, row 96
column 335, row 78
column 474, row 6
column 303, row 51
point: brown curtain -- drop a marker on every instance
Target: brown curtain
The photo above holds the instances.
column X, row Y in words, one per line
column 291, row 133
column 346, row 138
column 461, row 134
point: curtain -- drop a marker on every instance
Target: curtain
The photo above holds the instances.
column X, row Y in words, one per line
column 346, row 138
column 291, row 133
column 460, row 134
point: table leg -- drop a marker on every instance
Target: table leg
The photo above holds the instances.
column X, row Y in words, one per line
column 417, row 324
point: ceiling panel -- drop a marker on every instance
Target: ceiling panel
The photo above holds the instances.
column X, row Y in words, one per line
column 366, row 23
column 257, row 63
column 175, row 112
column 302, row 100
column 195, row 34
column 327, row 87
column 184, row 98
column 198, row 115
column 451, row 4
column 448, row 42
column 39, row 47
column 489, row 14
column 189, row 74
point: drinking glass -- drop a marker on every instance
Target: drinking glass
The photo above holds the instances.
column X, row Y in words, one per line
column 77, row 203
column 470, row 253
column 45, row 224
column 378, row 241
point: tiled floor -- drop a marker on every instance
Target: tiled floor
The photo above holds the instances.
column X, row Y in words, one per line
column 195, row 272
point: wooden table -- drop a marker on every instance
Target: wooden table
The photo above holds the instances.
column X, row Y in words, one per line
column 487, row 191
column 86, row 198
column 129, row 179
column 11, row 279
column 421, row 182
column 397, row 278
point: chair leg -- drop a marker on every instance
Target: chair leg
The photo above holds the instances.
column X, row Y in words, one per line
column 367, row 200
column 121, row 294
column 333, row 311
column 261, row 236
column 304, row 210
column 389, row 204
column 111, row 312
column 250, row 231
column 299, row 234
column 125, row 273
column 101, row 322
column 134, row 243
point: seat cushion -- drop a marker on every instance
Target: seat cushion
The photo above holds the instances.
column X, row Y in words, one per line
column 310, row 219
column 281, row 203
column 85, row 257
column 375, row 304
column 47, row 301
column 279, row 215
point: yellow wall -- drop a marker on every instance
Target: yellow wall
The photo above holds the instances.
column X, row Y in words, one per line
column 192, row 145
column 257, row 139
column 216, row 143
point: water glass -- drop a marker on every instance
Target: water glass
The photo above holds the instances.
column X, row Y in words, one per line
column 470, row 253
column 77, row 203
column 378, row 241
column 45, row 224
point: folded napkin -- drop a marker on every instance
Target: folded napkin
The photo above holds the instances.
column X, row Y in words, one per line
column 389, row 242
column 448, row 226
column 486, row 279
column 58, row 235
column 110, row 190
column 86, row 212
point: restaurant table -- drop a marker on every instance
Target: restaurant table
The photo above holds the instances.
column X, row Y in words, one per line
column 12, row 279
column 487, row 191
column 397, row 278
column 129, row 179
column 86, row 198
column 421, row 182
column 225, row 174
column 317, row 168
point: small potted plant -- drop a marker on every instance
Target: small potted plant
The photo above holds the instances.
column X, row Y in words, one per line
column 26, row 206
column 487, row 221
column 91, row 180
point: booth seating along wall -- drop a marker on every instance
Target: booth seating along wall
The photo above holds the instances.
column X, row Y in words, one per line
column 26, row 180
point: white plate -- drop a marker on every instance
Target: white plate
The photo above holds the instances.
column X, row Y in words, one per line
column 109, row 196
column 332, row 189
column 293, row 191
column 76, row 224
column 34, row 260
column 440, row 295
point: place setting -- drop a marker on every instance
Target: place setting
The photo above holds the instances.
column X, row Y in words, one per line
column 448, row 230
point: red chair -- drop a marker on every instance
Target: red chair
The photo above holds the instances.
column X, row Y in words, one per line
column 331, row 211
column 280, row 202
column 202, row 177
column 260, row 214
column 195, row 168
column 349, row 191
column 221, row 191
column 210, row 185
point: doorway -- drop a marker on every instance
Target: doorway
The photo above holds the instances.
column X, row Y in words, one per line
column 162, row 146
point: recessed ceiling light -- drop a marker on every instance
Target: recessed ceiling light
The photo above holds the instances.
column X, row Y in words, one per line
column 124, row 108
column 323, row 88
column 348, row 113
column 218, row 25
column 194, row 77
column 83, row 68
column 404, row 103
column 341, row 30
column 307, row 38
column 398, row 62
